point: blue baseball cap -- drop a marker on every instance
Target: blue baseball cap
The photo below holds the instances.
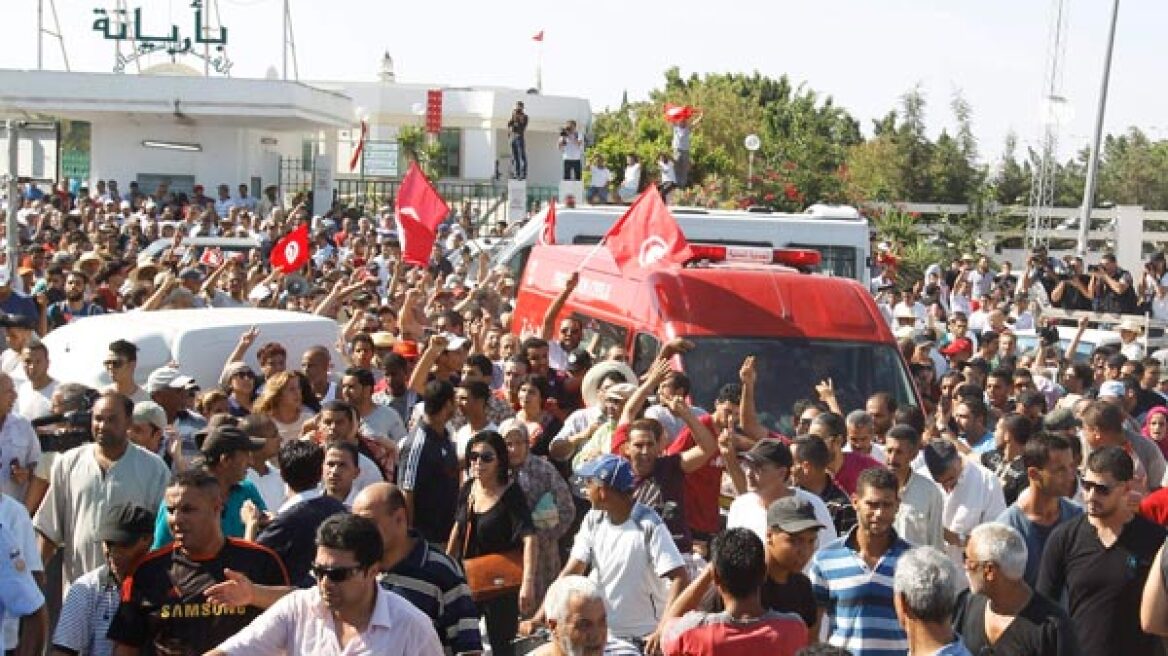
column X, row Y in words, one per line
column 609, row 470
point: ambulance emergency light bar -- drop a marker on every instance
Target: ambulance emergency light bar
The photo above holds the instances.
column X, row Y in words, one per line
column 800, row 258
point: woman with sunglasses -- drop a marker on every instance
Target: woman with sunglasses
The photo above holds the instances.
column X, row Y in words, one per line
column 493, row 518
column 240, row 387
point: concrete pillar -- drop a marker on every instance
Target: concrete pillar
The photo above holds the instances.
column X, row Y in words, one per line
column 1129, row 237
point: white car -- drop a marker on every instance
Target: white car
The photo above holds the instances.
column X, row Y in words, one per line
column 1092, row 338
column 198, row 340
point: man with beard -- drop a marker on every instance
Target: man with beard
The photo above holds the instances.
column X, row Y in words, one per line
column 88, row 481
column 165, row 606
column 347, row 611
column 571, row 330
column 1003, row 614
column 578, row 620
column 1101, row 560
column 74, row 306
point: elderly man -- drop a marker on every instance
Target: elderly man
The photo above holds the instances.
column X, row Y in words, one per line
column 925, row 592
column 1003, row 614
column 578, row 621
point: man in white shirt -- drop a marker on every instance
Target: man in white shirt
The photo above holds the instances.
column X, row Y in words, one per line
column 262, row 472
column 598, row 185
column 971, row 493
column 630, row 552
column 918, row 520
column 19, row 447
column 35, row 397
column 767, row 466
column 346, row 613
column 379, row 422
column 861, row 429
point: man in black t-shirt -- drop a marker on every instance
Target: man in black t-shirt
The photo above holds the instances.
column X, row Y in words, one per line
column 164, row 607
column 1071, row 292
column 428, row 467
column 1002, row 614
column 1101, row 560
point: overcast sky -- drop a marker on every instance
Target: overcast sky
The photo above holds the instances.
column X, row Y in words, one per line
column 864, row 53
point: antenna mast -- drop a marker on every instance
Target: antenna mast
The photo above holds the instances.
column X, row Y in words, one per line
column 1044, row 178
column 55, row 33
column 289, row 43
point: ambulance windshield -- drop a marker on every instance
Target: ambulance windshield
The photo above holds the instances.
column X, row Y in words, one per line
column 789, row 369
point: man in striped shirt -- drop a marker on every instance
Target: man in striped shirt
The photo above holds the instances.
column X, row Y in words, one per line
column 425, row 576
column 852, row 577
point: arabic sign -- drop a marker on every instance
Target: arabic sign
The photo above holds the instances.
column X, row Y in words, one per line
column 381, row 158
column 115, row 25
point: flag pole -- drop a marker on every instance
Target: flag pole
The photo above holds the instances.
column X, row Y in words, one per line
column 594, row 251
column 539, row 63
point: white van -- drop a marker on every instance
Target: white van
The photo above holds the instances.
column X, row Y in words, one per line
column 199, row 340
column 839, row 233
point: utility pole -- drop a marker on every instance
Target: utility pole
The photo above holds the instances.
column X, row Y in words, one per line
column 12, row 230
column 1093, row 163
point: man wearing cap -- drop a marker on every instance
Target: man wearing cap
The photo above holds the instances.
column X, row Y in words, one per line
column 767, row 467
column 1129, row 334
column 958, row 351
column 226, row 452
column 74, row 306
column 147, row 425
column 14, row 302
column 87, row 481
column 442, row 360
column 164, row 604
column 615, row 540
column 93, row 599
column 168, row 387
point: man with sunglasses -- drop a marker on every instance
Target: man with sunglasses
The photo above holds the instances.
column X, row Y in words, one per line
column 120, row 363
column 571, row 330
column 347, row 612
column 165, row 602
column 1101, row 560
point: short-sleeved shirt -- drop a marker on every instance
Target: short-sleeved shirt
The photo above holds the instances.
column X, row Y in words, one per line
column 428, row 467
column 1104, row 585
column 163, row 606
column 86, row 613
column 1012, row 474
column 18, row 443
column 1041, row 628
column 702, row 486
column 628, row 561
column 1036, row 535
column 80, row 494
column 301, row 623
column 794, row 596
column 849, row 472
column 857, row 600
column 22, row 544
column 383, row 423
column 432, row 582
column 60, row 314
column 700, row 634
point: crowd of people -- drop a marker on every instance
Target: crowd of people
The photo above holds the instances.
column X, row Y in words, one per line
column 451, row 486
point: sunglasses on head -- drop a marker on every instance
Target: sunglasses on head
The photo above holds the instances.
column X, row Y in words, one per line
column 485, row 456
column 335, row 574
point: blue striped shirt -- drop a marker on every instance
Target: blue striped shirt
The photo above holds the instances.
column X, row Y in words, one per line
column 435, row 585
column 858, row 600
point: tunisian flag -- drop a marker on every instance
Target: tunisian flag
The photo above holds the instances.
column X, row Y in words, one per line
column 360, row 145
column 291, row 252
column 547, row 236
column 678, row 113
column 538, row 36
column 647, row 237
column 419, row 211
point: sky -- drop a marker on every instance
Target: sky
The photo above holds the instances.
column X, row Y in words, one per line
column 864, row 53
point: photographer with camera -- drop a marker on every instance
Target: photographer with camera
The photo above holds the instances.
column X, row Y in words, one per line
column 572, row 147
column 1071, row 292
column 1153, row 287
column 516, row 128
column 1112, row 287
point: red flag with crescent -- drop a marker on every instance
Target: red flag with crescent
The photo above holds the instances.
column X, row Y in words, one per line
column 547, row 236
column 291, row 252
column 647, row 237
column 678, row 113
column 420, row 210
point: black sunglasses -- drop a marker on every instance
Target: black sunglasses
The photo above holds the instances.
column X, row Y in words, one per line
column 485, row 456
column 335, row 574
column 1098, row 488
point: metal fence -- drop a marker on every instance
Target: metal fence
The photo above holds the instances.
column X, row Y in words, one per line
column 487, row 200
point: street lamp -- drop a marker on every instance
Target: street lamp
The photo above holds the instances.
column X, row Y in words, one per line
column 1093, row 162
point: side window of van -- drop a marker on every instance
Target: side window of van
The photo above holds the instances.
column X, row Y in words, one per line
column 644, row 352
column 600, row 335
column 839, row 261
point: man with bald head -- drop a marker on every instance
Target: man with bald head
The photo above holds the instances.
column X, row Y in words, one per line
column 423, row 575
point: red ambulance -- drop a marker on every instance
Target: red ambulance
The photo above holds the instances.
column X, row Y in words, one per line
column 731, row 302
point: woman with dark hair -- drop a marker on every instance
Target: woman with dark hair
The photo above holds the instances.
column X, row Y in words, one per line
column 541, row 425
column 493, row 518
column 239, row 384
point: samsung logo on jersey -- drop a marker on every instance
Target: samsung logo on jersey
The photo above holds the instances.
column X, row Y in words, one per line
column 205, row 609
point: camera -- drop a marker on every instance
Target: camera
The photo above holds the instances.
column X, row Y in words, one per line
column 60, row 432
column 563, row 133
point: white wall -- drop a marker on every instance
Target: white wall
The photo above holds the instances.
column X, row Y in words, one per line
column 37, row 156
column 229, row 155
column 478, row 154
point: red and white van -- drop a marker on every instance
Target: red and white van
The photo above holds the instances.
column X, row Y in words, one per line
column 731, row 302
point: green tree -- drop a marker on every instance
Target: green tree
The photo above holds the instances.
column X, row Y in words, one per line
column 1011, row 182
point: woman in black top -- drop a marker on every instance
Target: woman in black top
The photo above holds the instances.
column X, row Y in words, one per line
column 493, row 517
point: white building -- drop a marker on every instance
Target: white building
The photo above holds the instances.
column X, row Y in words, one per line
column 171, row 123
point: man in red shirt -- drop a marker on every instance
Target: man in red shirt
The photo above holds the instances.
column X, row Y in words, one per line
column 845, row 467
column 746, row 627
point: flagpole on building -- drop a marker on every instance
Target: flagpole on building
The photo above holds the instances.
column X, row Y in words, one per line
column 538, row 38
